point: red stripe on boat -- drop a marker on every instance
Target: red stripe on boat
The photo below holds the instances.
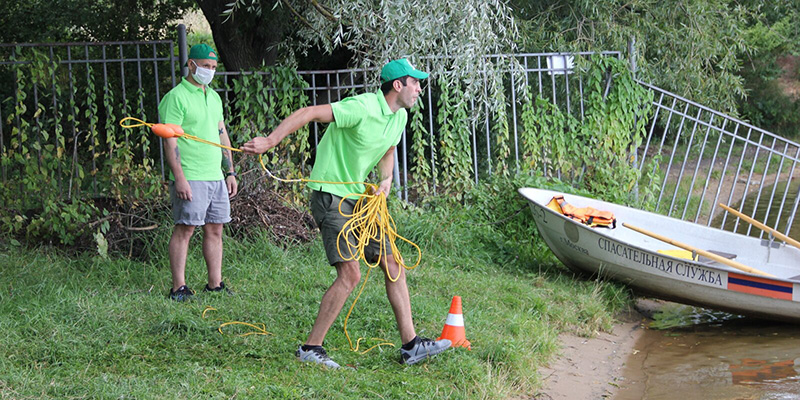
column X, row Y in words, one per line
column 759, row 286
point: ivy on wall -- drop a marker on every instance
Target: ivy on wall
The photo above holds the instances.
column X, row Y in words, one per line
column 500, row 123
column 593, row 151
column 261, row 101
column 421, row 166
column 64, row 155
column 455, row 167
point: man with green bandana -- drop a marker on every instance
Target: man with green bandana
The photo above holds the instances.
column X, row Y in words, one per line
column 363, row 133
column 198, row 191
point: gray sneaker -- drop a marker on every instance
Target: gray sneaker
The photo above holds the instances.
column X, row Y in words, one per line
column 315, row 355
column 423, row 349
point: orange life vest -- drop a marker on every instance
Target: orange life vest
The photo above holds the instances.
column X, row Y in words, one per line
column 586, row 215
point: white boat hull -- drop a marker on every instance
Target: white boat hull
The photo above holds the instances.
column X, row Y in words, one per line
column 632, row 258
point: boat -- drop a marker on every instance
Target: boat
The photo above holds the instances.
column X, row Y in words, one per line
column 714, row 275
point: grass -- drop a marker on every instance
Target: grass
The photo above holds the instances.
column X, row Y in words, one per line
column 87, row 327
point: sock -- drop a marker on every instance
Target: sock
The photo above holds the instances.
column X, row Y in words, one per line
column 306, row 347
column 410, row 345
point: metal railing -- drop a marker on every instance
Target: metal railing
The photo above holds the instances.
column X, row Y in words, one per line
column 702, row 157
column 696, row 156
column 552, row 76
column 138, row 74
column 129, row 77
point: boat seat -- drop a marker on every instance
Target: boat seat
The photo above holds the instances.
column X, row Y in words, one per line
column 722, row 254
column 686, row 254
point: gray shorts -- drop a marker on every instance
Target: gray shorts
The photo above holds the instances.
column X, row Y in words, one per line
column 325, row 210
column 209, row 205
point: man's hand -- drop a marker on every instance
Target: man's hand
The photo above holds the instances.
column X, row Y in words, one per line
column 385, row 166
column 258, row 145
column 183, row 190
column 233, row 186
column 384, row 187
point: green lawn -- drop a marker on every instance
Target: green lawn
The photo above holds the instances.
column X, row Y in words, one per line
column 86, row 327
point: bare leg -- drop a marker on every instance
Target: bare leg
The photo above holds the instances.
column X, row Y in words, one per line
column 397, row 292
column 348, row 275
column 178, row 246
column 212, row 252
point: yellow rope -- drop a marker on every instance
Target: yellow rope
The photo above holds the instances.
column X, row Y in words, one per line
column 259, row 330
column 140, row 123
column 347, row 335
column 184, row 135
column 370, row 220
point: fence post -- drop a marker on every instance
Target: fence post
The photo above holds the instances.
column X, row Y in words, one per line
column 2, row 147
column 396, row 175
column 182, row 53
column 632, row 55
column 794, row 211
column 632, row 60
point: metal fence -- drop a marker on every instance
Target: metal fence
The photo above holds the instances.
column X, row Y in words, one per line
column 70, row 95
column 132, row 77
column 701, row 157
column 553, row 76
column 695, row 155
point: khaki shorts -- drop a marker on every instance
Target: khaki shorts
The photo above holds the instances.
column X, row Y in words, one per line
column 325, row 210
column 209, row 205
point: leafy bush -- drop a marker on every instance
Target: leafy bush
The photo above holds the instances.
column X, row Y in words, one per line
column 594, row 151
column 64, row 158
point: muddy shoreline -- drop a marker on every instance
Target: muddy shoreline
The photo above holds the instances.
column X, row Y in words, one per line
column 592, row 368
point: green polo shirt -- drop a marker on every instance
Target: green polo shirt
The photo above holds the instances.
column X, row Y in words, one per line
column 198, row 112
column 364, row 129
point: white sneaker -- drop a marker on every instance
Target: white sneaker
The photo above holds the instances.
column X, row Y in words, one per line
column 317, row 355
column 423, row 349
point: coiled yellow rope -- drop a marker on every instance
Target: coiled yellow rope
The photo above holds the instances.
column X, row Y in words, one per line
column 370, row 220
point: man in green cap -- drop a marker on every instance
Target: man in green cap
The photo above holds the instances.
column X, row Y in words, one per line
column 363, row 133
column 198, row 190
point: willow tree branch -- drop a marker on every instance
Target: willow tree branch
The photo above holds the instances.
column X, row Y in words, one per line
column 297, row 14
column 325, row 12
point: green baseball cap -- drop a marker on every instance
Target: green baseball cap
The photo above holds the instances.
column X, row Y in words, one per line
column 400, row 68
column 202, row 51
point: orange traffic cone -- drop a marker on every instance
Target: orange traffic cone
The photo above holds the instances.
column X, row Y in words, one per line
column 454, row 326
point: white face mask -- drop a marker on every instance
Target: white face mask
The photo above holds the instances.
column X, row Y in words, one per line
column 202, row 75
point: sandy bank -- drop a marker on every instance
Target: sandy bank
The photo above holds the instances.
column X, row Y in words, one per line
column 591, row 368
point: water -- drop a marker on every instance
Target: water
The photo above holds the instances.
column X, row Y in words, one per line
column 738, row 358
column 708, row 355
column 761, row 210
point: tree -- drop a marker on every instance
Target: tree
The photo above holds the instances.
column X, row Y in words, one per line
column 80, row 20
column 373, row 32
column 716, row 52
column 247, row 40
column 693, row 48
column 770, row 71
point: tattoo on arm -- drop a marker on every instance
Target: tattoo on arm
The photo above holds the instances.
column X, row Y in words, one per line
column 226, row 160
column 178, row 155
column 227, row 157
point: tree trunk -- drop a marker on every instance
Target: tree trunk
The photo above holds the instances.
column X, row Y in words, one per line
column 245, row 41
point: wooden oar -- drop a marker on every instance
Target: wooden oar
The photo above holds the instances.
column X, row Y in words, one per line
column 703, row 253
column 761, row 226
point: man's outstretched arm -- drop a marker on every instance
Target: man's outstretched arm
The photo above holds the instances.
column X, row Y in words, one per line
column 298, row 119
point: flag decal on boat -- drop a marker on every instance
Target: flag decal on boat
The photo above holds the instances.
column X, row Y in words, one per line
column 759, row 286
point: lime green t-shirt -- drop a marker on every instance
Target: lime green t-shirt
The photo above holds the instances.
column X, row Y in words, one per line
column 364, row 128
column 199, row 113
